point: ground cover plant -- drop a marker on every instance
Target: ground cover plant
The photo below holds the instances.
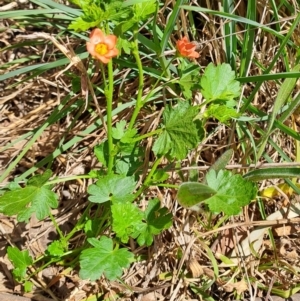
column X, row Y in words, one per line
column 149, row 150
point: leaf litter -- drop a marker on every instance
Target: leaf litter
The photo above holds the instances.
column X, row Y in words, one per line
column 176, row 254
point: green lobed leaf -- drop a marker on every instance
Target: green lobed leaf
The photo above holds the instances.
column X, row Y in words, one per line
column 180, row 133
column 221, row 113
column 157, row 219
column 39, row 199
column 130, row 156
column 218, row 83
column 127, row 220
column 56, row 249
column 21, row 260
column 188, row 78
column 233, row 192
column 103, row 259
column 186, row 84
column 40, row 180
column 91, row 227
column 159, row 176
column 28, row 286
column 120, row 133
column 95, row 14
column 192, row 194
column 101, row 152
column 114, row 188
column 122, row 42
column 119, row 130
column 82, row 24
column 142, row 11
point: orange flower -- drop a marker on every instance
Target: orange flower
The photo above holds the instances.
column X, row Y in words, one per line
column 102, row 47
column 187, row 49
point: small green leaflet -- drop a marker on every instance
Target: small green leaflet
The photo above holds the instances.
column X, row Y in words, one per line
column 129, row 221
column 180, row 132
column 224, row 192
column 56, row 249
column 188, row 78
column 21, row 260
column 142, row 11
column 101, row 152
column 139, row 12
column 114, row 188
column 221, row 112
column 159, row 176
column 218, row 83
column 233, row 192
column 28, row 286
column 103, row 259
column 40, row 198
column 94, row 15
column 120, row 133
column 156, row 220
column 40, row 180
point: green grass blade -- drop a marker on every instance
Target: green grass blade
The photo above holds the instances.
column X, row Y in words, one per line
column 272, row 173
column 21, row 14
column 266, row 77
column 274, row 60
column 54, row 117
column 61, row 7
column 72, row 142
column 282, row 97
column 170, row 25
column 40, row 67
column 237, row 19
column 248, row 40
column 230, row 35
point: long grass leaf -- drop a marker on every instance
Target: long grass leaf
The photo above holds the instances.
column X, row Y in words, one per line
column 282, row 97
column 230, row 35
column 266, row 77
column 272, row 173
column 272, row 63
column 237, row 19
column 248, row 39
column 61, row 7
column 170, row 25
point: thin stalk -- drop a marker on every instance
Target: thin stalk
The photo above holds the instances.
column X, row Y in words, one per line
column 109, row 102
column 69, row 178
column 150, row 134
column 139, row 100
column 56, row 227
column 147, row 181
column 79, row 225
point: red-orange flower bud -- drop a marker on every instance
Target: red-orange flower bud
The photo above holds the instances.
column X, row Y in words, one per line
column 186, row 48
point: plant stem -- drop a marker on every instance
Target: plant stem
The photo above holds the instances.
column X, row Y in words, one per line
column 109, row 101
column 81, row 222
column 139, row 101
column 57, row 227
column 69, row 178
column 168, row 186
column 147, row 181
column 150, row 134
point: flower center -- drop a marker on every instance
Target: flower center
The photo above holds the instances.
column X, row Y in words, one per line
column 101, row 48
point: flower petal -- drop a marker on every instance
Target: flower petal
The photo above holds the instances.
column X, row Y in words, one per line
column 112, row 52
column 97, row 36
column 102, row 58
column 110, row 41
column 90, row 48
